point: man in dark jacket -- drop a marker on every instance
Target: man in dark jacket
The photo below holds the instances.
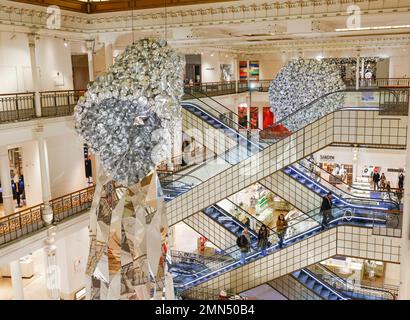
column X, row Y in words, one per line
column 326, row 210
column 376, row 179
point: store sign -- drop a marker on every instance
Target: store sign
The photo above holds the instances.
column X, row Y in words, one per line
column 210, row 69
column 395, row 170
column 327, row 157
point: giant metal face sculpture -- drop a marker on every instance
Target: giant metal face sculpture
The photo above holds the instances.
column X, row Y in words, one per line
column 294, row 94
column 129, row 115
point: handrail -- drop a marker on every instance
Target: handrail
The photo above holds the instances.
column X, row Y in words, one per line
column 354, row 285
column 30, row 219
column 351, row 197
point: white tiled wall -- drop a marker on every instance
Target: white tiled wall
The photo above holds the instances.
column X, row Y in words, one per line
column 292, row 191
column 210, row 229
column 343, row 240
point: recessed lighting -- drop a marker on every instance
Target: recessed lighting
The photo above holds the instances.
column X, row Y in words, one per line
column 212, row 54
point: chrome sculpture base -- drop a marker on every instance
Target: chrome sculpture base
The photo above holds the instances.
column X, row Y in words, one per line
column 128, row 241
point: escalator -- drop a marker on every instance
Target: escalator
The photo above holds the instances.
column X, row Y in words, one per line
column 331, row 286
column 212, row 177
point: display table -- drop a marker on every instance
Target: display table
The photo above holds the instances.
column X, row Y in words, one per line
column 26, row 265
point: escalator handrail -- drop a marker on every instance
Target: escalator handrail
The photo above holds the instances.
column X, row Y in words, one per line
column 220, row 104
column 323, row 283
column 331, row 224
column 346, row 283
column 349, row 186
column 341, row 198
column 276, row 141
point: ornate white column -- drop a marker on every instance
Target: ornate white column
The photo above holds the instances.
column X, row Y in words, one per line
column 404, row 292
column 260, row 117
column 90, row 50
column 52, row 271
column 7, row 192
column 355, row 158
column 16, row 280
column 109, row 60
column 34, row 73
column 357, row 70
column 47, row 213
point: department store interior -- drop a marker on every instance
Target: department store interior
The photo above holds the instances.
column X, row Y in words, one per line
column 204, row 150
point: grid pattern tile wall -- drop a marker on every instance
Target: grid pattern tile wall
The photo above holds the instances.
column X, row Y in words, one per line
column 293, row 289
column 292, row 191
column 211, row 230
column 360, row 242
column 204, row 134
column 340, row 126
column 312, row 250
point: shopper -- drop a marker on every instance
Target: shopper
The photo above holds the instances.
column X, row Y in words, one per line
column 16, row 189
column 388, row 189
column 281, row 226
column 383, row 181
column 263, row 239
column 244, row 244
column 326, row 210
column 401, row 181
column 376, row 179
column 247, row 223
column 185, row 153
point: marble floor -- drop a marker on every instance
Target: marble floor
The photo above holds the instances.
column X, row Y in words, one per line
column 34, row 288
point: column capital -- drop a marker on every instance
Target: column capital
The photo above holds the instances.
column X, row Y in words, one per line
column 38, row 131
column 89, row 45
column 32, row 37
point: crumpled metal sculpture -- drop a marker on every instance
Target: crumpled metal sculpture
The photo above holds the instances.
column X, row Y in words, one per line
column 129, row 114
column 298, row 94
column 128, row 117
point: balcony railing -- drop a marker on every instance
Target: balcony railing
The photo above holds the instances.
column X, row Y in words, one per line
column 17, row 107
column 59, row 103
column 21, row 106
column 30, row 220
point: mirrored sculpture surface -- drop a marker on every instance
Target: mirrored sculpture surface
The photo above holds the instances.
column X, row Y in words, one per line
column 128, row 117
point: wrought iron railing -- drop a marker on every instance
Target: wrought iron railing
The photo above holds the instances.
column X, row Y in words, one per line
column 380, row 82
column 59, row 103
column 30, row 220
column 17, row 107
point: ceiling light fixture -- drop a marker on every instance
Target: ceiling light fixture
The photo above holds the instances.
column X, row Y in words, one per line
column 65, row 43
column 374, row 28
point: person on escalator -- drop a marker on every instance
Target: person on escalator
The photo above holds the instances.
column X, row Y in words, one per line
column 326, row 210
column 244, row 244
column 281, row 226
column 383, row 181
column 376, row 179
column 247, row 222
column 401, row 181
column 263, row 239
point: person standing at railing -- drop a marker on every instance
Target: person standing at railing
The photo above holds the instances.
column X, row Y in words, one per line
column 326, row 210
column 281, row 226
column 263, row 239
column 401, row 181
column 244, row 244
column 376, row 179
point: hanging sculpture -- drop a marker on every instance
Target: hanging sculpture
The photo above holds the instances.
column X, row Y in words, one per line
column 128, row 117
column 305, row 90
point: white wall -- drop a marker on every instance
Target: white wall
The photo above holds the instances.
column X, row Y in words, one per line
column 72, row 255
column 369, row 157
column 66, row 164
column 52, row 58
column 210, row 66
column 400, row 66
column 31, row 171
column 15, row 65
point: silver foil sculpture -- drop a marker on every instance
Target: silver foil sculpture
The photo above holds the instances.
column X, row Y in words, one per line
column 305, row 90
column 128, row 117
